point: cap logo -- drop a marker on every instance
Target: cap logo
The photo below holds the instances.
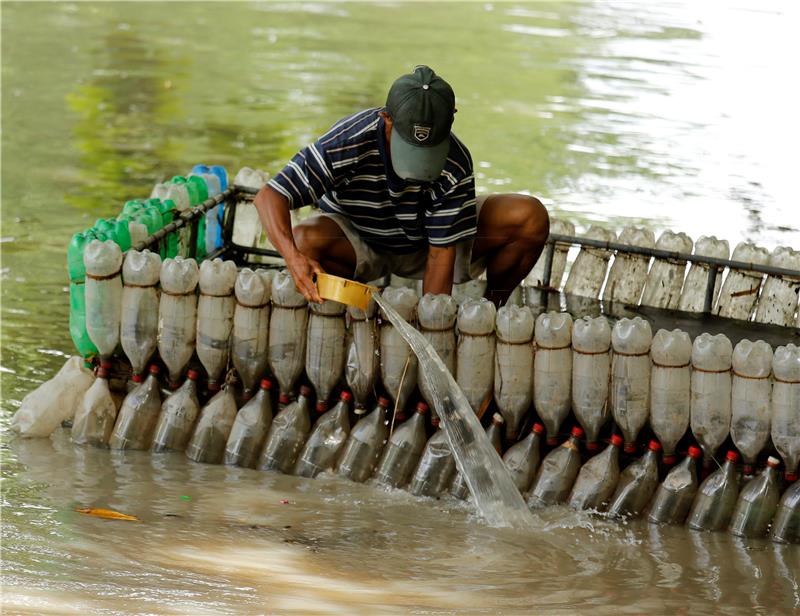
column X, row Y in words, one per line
column 421, row 133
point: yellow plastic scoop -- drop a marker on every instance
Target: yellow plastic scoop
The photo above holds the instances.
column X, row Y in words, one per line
column 345, row 291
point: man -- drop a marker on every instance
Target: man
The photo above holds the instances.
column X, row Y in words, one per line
column 397, row 195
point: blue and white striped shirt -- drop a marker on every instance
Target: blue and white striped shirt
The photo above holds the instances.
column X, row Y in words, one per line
column 347, row 171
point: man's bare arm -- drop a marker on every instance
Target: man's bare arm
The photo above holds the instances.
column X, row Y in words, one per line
column 273, row 211
column 438, row 277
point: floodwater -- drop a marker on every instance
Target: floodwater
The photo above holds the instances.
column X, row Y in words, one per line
column 678, row 115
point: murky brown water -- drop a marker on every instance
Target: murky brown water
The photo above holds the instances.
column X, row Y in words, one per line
column 673, row 115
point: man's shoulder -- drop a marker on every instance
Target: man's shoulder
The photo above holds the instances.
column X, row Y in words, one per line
column 459, row 160
column 351, row 128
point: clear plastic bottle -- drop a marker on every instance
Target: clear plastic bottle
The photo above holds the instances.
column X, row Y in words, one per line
column 597, row 478
column 139, row 319
column 630, row 377
column 178, row 414
column 287, row 332
column 325, row 349
column 436, row 467
column 522, row 458
column 287, row 435
column 250, row 429
column 402, row 452
column 207, row 444
column 177, row 315
column 552, row 371
column 460, row 489
column 757, row 503
column 96, row 413
column 398, row 362
column 591, row 370
column 558, row 473
column 251, row 326
column 362, row 361
column 103, row 262
column 364, row 445
column 675, row 494
column 513, row 362
column 713, row 506
column 786, row 525
column 137, row 418
column 475, row 350
column 636, row 484
column 215, row 317
column 327, row 439
column 436, row 319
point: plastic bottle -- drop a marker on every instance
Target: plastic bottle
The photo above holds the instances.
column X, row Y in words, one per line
column 636, row 484
column 535, row 278
column 177, row 314
column 628, row 273
column 103, row 261
column 522, row 458
column 402, row 452
column 287, row 332
column 786, row 524
column 711, row 392
column 178, row 414
column 665, row 281
column 139, row 320
column 597, row 478
column 96, row 413
column 778, row 300
column 475, row 350
column 362, row 361
column 250, row 429
column 436, row 467
column 398, row 363
column 716, row 498
column 42, row 410
column 693, row 296
column 513, row 367
column 287, row 435
column 137, row 418
column 630, row 377
column 327, row 439
column 739, row 292
column 786, row 407
column 757, row 503
column 558, row 472
column 213, row 428
column 470, row 290
column 670, row 388
column 251, row 326
column 675, row 494
column 325, row 349
column 77, row 320
column 169, row 212
column 591, row 369
column 213, row 218
column 364, row 445
column 436, row 317
column 552, row 371
column 77, row 245
column 460, row 489
column 589, row 270
column 215, row 317
column 247, row 229
column 750, row 405
column 179, row 195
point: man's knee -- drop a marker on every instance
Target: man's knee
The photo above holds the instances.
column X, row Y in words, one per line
column 529, row 219
column 310, row 238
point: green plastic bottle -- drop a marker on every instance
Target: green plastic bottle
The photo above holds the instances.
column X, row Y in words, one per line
column 168, row 211
column 75, row 267
column 198, row 192
column 77, row 320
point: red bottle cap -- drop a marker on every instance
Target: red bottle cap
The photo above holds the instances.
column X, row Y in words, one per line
column 346, row 396
column 732, row 456
column 283, row 399
column 654, row 445
column 748, row 469
column 136, row 378
column 422, row 408
column 616, row 440
column 695, row 452
column 790, row 477
column 384, row 402
column 552, row 440
column 266, row 384
column 577, row 432
column 305, row 390
column 773, row 462
column 669, row 459
column 105, row 365
column 153, row 369
column 213, row 386
column 102, row 373
column 193, row 374
column 593, row 446
column 630, row 448
column 322, row 406
column 538, row 428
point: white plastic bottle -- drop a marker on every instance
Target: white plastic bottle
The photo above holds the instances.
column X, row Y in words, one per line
column 436, row 319
column 591, row 370
column 589, row 270
column 739, row 292
column 398, row 362
column 711, row 392
column 215, row 317
column 665, row 281
column 287, row 332
column 670, row 388
column 628, row 272
column 250, row 334
column 139, row 322
column 513, row 363
column 786, row 407
column 552, row 371
column 325, row 349
column 630, row 377
column 177, row 314
column 247, row 226
column 778, row 300
column 750, row 404
column 362, row 362
column 693, row 296
column 534, row 280
column 475, row 350
column 103, row 262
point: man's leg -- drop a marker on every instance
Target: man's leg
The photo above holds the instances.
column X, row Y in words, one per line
column 322, row 239
column 512, row 230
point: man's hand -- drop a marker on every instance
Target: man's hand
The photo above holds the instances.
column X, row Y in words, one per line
column 438, row 277
column 302, row 270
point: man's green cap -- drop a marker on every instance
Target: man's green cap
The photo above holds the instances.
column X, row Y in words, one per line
column 421, row 105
